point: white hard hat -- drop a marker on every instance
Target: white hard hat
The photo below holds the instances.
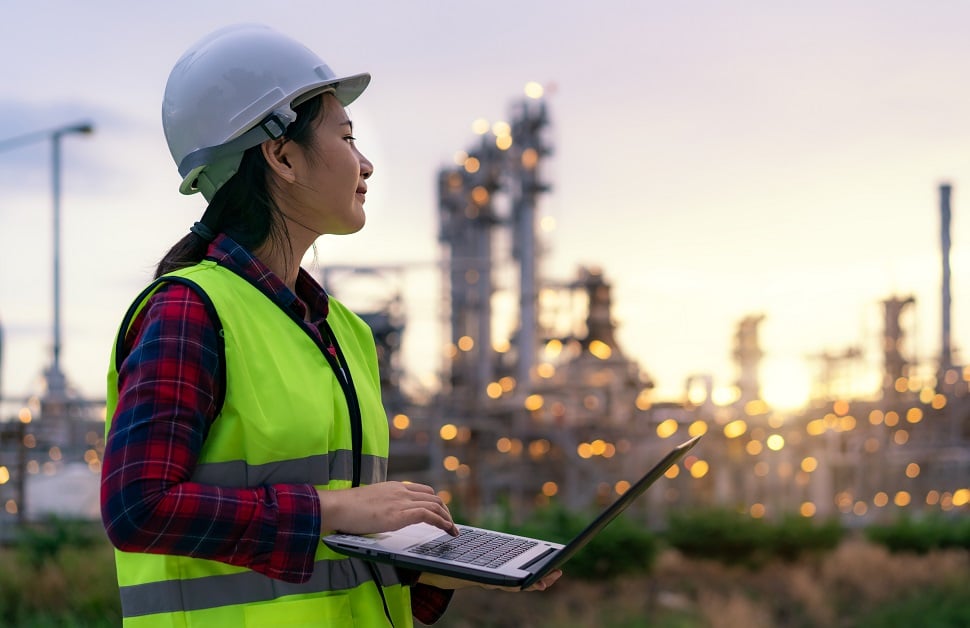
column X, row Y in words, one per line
column 234, row 89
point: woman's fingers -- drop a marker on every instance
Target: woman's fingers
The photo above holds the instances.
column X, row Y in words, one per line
column 546, row 581
column 431, row 517
column 383, row 507
column 419, row 488
column 446, row 582
column 428, row 508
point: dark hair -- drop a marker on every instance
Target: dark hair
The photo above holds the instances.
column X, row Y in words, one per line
column 243, row 207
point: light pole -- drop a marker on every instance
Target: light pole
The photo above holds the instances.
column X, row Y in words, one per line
column 56, row 383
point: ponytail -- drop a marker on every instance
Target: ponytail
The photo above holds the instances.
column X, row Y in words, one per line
column 187, row 252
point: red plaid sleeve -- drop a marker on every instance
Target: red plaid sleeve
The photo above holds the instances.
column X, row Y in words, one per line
column 429, row 603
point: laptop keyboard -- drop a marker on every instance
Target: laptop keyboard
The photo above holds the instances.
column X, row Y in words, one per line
column 475, row 548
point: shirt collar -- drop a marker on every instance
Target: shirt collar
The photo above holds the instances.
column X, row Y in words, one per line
column 309, row 294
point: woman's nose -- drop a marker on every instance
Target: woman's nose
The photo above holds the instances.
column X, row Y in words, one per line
column 366, row 167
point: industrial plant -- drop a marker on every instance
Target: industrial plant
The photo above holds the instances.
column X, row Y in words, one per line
column 556, row 411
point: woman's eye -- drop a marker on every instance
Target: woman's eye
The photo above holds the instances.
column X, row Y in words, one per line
column 350, row 138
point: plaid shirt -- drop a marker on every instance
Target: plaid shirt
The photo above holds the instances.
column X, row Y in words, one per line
column 168, row 389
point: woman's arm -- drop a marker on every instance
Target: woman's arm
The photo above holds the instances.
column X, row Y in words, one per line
column 167, row 392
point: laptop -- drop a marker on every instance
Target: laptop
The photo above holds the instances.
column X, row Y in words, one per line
column 487, row 556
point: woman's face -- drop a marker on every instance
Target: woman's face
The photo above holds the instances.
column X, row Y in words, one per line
column 330, row 176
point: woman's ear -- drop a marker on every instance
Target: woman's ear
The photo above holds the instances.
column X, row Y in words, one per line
column 278, row 156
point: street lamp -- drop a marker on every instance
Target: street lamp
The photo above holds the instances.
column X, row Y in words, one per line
column 56, row 383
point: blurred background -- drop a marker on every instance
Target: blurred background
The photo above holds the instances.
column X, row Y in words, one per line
column 593, row 232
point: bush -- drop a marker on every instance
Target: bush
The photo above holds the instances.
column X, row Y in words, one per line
column 734, row 538
column 622, row 547
column 42, row 541
column 718, row 534
column 921, row 535
column 795, row 536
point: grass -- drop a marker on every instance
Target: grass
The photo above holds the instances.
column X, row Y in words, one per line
column 858, row 584
column 76, row 588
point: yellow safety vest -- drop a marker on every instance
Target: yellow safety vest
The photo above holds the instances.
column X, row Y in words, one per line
column 285, row 419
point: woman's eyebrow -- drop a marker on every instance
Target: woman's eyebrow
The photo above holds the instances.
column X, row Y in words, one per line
column 349, row 123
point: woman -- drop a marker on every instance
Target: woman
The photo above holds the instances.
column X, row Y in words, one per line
column 244, row 405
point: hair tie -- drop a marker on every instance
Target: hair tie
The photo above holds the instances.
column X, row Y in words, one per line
column 203, row 231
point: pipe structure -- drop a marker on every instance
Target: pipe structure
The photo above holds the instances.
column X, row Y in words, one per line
column 946, row 349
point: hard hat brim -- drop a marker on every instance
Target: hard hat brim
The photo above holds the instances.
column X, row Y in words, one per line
column 346, row 89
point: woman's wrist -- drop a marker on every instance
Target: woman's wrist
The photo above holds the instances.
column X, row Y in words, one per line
column 329, row 511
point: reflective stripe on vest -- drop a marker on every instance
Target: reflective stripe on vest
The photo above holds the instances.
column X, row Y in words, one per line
column 318, row 470
column 169, row 596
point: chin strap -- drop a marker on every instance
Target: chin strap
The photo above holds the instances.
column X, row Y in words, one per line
column 272, row 127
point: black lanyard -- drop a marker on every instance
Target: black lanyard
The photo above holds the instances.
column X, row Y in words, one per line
column 338, row 362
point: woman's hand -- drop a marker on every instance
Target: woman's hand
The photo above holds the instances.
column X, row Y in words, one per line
column 447, row 582
column 383, row 507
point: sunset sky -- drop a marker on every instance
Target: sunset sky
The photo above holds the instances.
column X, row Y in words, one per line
column 715, row 159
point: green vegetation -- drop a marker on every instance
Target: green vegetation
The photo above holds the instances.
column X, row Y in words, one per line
column 924, row 534
column 941, row 606
column 857, row 584
column 736, row 539
column 795, row 537
column 42, row 541
column 709, row 569
column 718, row 534
column 622, row 548
column 60, row 573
